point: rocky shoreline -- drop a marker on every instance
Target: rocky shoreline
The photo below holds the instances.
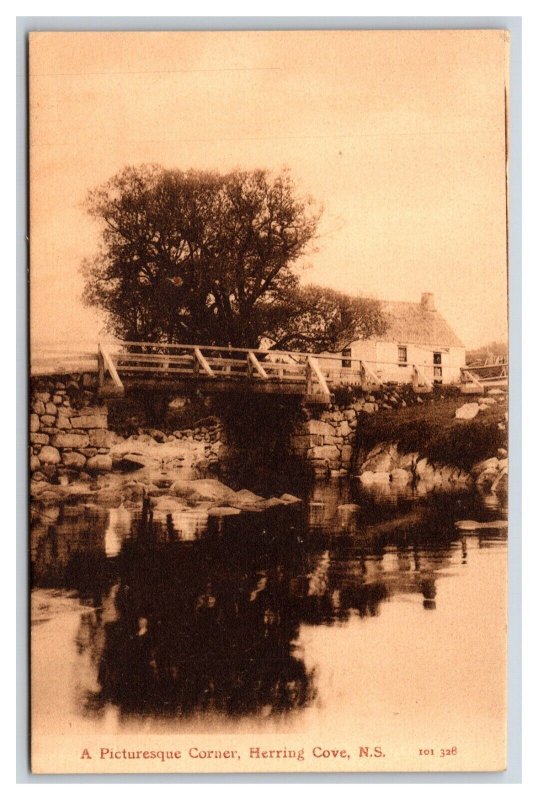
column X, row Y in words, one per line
column 386, row 464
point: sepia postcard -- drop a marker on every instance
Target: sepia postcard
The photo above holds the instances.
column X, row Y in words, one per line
column 268, row 401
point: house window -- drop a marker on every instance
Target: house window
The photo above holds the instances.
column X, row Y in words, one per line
column 437, row 368
column 402, row 356
column 346, row 358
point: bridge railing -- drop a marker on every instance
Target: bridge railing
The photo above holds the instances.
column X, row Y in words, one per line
column 486, row 374
column 293, row 371
column 57, row 360
column 210, row 362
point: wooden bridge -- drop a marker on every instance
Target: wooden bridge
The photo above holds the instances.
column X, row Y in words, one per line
column 175, row 367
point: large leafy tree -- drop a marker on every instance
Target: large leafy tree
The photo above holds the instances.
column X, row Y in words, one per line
column 213, row 259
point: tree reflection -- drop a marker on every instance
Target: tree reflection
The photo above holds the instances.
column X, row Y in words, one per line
column 179, row 625
column 205, row 625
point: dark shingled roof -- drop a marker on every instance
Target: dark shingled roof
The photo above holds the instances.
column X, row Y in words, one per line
column 412, row 323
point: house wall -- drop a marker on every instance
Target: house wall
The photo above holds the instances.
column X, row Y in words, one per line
column 382, row 358
column 452, row 358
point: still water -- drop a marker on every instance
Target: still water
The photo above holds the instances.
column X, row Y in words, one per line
column 297, row 617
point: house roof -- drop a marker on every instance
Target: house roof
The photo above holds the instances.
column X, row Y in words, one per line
column 412, row 323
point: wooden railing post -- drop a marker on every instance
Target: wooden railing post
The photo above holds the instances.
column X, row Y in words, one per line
column 201, row 360
column 314, row 366
column 308, row 374
column 100, row 368
column 364, row 381
column 253, row 362
column 109, row 366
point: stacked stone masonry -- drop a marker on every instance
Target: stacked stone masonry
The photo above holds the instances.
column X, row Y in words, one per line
column 327, row 442
column 327, row 438
column 68, row 429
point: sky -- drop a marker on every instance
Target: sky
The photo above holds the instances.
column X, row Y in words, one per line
column 399, row 135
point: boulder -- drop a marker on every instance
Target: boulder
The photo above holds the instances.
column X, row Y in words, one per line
column 347, row 452
column 99, row 463
column 401, row 476
column 223, row 511
column 315, row 426
column 51, row 409
column 467, row 411
column 49, row 455
column 34, row 423
column 75, row 440
column 38, row 407
column 272, row 502
column 39, row 438
column 290, row 499
column 247, row 498
column 203, row 489
column 407, row 460
column 167, row 503
column 382, row 447
column 48, row 419
column 368, row 478
column 102, row 438
column 344, row 429
column 487, row 477
column 157, row 435
column 487, row 464
column 62, row 421
column 89, row 421
column 325, row 452
column 382, row 462
column 74, row 460
column 501, row 481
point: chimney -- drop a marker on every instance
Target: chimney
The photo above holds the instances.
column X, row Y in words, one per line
column 427, row 301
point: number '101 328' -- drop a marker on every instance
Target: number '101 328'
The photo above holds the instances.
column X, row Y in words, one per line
column 445, row 751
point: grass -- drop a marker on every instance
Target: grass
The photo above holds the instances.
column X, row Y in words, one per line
column 432, row 430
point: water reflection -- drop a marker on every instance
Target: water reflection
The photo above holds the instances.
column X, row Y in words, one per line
column 195, row 618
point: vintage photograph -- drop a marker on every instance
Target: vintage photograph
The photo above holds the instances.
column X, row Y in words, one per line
column 268, row 401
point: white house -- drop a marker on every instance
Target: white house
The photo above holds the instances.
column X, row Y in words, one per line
column 417, row 335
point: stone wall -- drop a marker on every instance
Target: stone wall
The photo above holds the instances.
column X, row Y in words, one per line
column 68, row 429
column 327, row 437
